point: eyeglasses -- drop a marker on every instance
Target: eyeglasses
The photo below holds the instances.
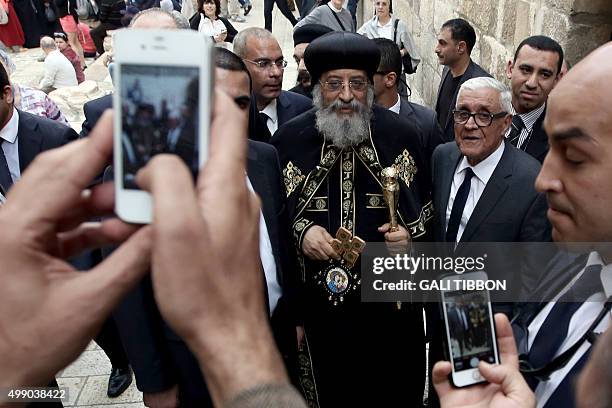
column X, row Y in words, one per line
column 482, row 119
column 335, row 85
column 268, row 64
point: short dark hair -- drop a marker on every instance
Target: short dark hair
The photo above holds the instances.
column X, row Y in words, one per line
column 225, row 59
column 542, row 43
column 4, row 78
column 461, row 30
column 390, row 57
column 217, row 6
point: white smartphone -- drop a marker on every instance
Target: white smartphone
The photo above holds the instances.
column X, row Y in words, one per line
column 162, row 102
column 470, row 328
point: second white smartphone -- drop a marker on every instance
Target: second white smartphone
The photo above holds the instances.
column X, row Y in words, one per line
column 162, row 104
column 470, row 329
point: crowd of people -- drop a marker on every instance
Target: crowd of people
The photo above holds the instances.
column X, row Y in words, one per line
column 245, row 291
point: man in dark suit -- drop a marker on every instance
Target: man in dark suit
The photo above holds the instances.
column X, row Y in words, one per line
column 23, row 136
column 165, row 369
column 455, row 43
column 386, row 95
column 271, row 106
column 110, row 338
column 484, row 187
column 533, row 74
column 460, row 325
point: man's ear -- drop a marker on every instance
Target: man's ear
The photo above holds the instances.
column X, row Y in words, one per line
column 509, row 68
column 7, row 94
column 462, row 47
column 390, row 80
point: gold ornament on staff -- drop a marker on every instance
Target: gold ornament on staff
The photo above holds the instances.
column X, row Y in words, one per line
column 390, row 188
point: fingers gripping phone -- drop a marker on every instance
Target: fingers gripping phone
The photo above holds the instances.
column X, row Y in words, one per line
column 470, row 328
column 162, row 104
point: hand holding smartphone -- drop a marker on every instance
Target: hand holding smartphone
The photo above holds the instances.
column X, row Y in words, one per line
column 470, row 330
column 162, row 105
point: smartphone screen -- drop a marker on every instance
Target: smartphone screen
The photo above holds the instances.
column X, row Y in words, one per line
column 468, row 318
column 159, row 114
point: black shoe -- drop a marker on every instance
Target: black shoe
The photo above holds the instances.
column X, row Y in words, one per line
column 247, row 9
column 119, row 381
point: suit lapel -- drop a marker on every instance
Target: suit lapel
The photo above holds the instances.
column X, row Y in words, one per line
column 283, row 104
column 538, row 143
column 492, row 193
column 446, row 182
column 259, row 179
column 405, row 109
column 30, row 140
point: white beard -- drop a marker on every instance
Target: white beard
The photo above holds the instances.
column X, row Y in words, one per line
column 343, row 130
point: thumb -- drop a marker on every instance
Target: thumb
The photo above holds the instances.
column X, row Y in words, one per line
column 440, row 373
column 384, row 227
column 509, row 378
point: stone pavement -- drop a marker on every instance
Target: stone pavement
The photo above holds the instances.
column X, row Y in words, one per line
column 87, row 377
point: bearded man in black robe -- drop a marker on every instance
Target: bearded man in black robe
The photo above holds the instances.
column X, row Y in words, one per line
column 353, row 353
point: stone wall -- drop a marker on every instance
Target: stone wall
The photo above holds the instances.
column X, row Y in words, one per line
column 579, row 25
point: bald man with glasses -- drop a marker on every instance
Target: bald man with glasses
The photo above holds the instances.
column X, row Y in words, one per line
column 271, row 107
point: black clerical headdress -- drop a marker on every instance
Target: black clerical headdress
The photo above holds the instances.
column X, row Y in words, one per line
column 341, row 50
column 308, row 33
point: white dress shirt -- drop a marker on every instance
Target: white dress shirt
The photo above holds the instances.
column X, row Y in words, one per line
column 579, row 324
column 59, row 72
column 396, row 107
column 10, row 146
column 272, row 121
column 267, row 260
column 482, row 174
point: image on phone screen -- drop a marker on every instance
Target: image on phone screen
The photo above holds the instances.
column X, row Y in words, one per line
column 469, row 327
column 159, row 114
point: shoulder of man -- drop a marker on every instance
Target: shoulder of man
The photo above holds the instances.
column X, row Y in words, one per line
column 525, row 166
column 477, row 71
column 301, row 102
column 422, row 111
column 55, row 134
column 391, row 124
column 93, row 110
column 441, row 152
column 293, row 128
column 265, row 152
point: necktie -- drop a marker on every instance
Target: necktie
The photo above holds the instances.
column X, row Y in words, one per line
column 515, row 130
column 553, row 331
column 6, row 181
column 265, row 132
column 458, row 206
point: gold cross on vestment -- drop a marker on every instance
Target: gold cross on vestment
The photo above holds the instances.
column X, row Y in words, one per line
column 347, row 246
